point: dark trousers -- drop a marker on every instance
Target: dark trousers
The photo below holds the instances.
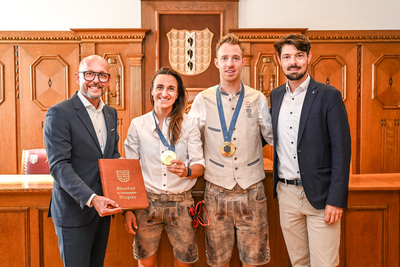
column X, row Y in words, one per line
column 84, row 246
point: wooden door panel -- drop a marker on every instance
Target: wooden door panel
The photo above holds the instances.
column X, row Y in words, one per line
column 380, row 108
column 8, row 94
column 47, row 78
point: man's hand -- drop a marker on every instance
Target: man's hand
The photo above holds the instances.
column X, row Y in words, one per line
column 332, row 214
column 105, row 206
column 130, row 222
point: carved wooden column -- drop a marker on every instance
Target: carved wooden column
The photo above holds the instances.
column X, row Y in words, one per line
column 136, row 87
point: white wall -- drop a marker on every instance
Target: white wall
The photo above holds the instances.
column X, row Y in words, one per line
column 327, row 15
column 61, row 15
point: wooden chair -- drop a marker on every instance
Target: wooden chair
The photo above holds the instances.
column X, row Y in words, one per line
column 34, row 161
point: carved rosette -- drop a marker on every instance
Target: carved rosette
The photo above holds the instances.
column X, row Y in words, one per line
column 1, row 83
column 330, row 69
column 114, row 95
column 385, row 81
column 49, row 80
column 266, row 73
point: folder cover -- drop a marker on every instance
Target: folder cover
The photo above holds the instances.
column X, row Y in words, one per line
column 122, row 181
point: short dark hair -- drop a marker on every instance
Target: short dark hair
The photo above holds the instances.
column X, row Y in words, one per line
column 230, row 38
column 299, row 41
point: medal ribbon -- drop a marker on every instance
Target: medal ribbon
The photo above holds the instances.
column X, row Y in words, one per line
column 228, row 134
column 160, row 134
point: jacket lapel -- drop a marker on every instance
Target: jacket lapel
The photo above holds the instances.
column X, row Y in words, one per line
column 83, row 115
column 276, row 108
column 307, row 104
column 108, row 117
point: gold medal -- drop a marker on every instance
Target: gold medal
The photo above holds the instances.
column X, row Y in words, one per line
column 167, row 156
column 227, row 149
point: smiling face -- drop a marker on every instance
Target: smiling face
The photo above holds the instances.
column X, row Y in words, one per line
column 164, row 92
column 92, row 90
column 294, row 63
column 230, row 62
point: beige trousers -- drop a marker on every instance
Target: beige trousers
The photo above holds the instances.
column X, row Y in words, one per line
column 310, row 241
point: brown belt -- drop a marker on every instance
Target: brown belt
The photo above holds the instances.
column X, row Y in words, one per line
column 169, row 197
column 235, row 188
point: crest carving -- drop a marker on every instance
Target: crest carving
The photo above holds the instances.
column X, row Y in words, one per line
column 190, row 51
column 123, row 175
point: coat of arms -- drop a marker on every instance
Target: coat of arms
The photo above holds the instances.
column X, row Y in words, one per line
column 190, row 51
column 123, row 175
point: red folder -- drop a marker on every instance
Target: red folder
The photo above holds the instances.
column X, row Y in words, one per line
column 122, row 181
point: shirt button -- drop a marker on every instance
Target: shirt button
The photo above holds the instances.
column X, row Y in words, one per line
column 235, row 158
column 292, row 98
column 165, row 174
column 230, row 99
column 294, row 157
column 164, row 185
column 290, row 127
column 233, row 108
column 291, row 143
column 234, row 138
column 236, row 168
column 291, row 112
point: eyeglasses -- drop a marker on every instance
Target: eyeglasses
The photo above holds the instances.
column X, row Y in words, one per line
column 90, row 75
column 194, row 211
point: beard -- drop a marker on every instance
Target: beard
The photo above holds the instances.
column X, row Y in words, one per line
column 296, row 76
column 93, row 96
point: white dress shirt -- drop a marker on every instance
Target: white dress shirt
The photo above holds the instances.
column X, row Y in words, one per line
column 99, row 124
column 288, row 129
column 143, row 143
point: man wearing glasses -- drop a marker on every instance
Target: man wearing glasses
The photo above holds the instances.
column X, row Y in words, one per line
column 77, row 133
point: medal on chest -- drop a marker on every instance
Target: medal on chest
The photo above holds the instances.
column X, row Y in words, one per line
column 228, row 148
column 169, row 154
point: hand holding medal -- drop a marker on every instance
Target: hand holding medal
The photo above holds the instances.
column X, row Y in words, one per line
column 177, row 167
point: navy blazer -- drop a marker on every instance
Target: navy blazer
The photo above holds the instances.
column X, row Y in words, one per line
column 323, row 145
column 73, row 152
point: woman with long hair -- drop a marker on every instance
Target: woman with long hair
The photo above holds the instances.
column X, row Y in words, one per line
column 167, row 143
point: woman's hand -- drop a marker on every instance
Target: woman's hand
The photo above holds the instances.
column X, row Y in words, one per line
column 130, row 222
column 177, row 167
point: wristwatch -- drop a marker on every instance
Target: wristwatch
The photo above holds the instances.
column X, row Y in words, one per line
column 189, row 172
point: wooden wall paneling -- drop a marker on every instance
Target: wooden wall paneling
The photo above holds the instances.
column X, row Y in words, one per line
column 46, row 78
column 48, row 252
column 8, row 108
column 336, row 63
column 14, row 223
column 184, row 15
column 380, row 114
column 371, row 246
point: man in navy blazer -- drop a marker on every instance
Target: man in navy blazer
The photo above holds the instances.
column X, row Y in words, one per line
column 311, row 158
column 78, row 132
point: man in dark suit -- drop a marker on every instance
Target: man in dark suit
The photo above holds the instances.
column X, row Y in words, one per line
column 311, row 158
column 77, row 133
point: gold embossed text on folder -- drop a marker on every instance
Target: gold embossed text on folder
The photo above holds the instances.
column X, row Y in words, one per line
column 122, row 181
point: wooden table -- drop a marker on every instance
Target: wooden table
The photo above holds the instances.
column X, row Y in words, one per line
column 370, row 226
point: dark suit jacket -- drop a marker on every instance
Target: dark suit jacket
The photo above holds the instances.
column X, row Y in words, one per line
column 73, row 151
column 323, row 146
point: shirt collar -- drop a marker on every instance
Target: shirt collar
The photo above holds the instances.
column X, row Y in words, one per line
column 87, row 103
column 301, row 88
column 153, row 122
column 227, row 94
